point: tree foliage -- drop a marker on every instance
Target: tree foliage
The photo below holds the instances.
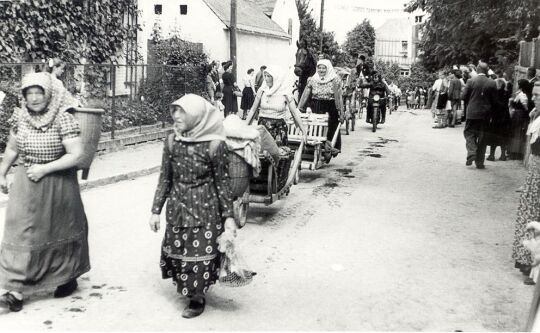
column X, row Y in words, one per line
column 360, row 40
column 460, row 31
column 309, row 31
column 70, row 29
column 419, row 76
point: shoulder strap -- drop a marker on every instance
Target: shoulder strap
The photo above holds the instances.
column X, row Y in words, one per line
column 214, row 144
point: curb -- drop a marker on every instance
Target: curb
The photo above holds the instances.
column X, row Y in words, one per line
column 88, row 185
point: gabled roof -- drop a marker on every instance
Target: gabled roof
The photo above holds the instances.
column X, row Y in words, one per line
column 267, row 6
column 250, row 17
column 394, row 29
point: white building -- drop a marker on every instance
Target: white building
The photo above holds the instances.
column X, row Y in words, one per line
column 267, row 30
column 397, row 40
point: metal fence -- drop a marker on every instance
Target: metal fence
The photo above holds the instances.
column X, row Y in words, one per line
column 132, row 95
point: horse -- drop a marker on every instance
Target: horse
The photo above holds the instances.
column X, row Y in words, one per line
column 306, row 66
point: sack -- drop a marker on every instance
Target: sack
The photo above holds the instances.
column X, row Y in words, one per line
column 233, row 271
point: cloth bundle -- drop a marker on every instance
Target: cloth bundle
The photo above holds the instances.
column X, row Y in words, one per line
column 533, row 245
column 244, row 141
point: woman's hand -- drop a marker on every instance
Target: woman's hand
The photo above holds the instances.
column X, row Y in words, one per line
column 341, row 117
column 230, row 226
column 4, row 185
column 154, row 222
column 36, row 172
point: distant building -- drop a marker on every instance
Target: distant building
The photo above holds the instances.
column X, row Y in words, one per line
column 397, row 40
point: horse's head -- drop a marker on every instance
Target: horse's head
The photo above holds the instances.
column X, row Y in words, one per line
column 305, row 62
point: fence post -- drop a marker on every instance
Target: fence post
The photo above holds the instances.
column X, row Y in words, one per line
column 113, row 102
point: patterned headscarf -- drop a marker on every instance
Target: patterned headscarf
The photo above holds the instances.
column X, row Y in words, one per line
column 280, row 85
column 203, row 121
column 330, row 72
column 57, row 96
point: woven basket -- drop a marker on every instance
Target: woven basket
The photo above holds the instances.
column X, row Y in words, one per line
column 239, row 173
column 90, row 123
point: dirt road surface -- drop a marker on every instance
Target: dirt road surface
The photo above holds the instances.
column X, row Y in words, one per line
column 394, row 234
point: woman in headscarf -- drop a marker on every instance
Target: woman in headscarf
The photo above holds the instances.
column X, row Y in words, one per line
column 229, row 86
column 45, row 241
column 324, row 93
column 529, row 202
column 194, row 178
column 274, row 101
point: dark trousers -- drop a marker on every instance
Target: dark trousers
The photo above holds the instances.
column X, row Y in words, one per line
column 475, row 134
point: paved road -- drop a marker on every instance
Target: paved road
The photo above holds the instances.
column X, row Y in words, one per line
column 395, row 234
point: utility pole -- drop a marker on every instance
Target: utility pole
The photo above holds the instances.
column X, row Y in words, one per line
column 321, row 26
column 232, row 38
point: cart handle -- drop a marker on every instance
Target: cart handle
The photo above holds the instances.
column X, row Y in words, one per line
column 294, row 167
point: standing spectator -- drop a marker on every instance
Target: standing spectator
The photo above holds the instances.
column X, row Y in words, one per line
column 248, row 94
column 442, row 101
column 229, row 86
column 437, row 85
column 500, row 123
column 479, row 94
column 532, row 78
column 259, row 78
column 215, row 75
column 519, row 120
column 45, row 241
column 210, row 85
column 529, row 202
column 454, row 94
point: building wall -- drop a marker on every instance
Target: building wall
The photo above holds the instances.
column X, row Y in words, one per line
column 284, row 11
column 201, row 25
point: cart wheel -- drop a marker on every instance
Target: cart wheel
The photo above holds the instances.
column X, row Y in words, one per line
column 241, row 206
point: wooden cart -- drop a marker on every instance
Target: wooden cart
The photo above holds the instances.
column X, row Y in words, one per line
column 315, row 153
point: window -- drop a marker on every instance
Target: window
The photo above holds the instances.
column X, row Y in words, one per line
column 418, row 19
column 290, row 27
column 404, row 46
column 183, row 9
column 158, row 9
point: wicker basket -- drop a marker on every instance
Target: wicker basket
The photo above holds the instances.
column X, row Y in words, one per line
column 239, row 173
column 90, row 123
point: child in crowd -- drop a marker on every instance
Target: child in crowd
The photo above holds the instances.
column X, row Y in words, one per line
column 219, row 104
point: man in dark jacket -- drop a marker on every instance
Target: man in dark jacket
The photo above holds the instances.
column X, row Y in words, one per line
column 479, row 95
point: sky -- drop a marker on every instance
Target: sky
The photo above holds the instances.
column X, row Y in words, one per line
column 340, row 16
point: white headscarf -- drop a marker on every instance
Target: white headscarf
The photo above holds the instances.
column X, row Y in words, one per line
column 281, row 86
column 204, row 122
column 330, row 72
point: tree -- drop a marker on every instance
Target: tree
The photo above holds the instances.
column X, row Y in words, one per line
column 390, row 71
column 309, row 31
column 360, row 40
column 70, row 29
column 419, row 76
column 457, row 32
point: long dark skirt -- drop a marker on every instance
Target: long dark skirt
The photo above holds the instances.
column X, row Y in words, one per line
column 191, row 258
column 277, row 128
column 247, row 99
column 320, row 106
column 518, row 132
column 45, row 240
column 229, row 101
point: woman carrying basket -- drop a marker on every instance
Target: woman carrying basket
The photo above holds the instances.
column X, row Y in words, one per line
column 45, row 242
column 195, row 180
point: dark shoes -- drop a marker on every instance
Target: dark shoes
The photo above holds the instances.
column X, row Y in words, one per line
column 13, row 304
column 66, row 289
column 194, row 309
column 469, row 161
column 490, row 158
column 480, row 166
column 502, row 158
